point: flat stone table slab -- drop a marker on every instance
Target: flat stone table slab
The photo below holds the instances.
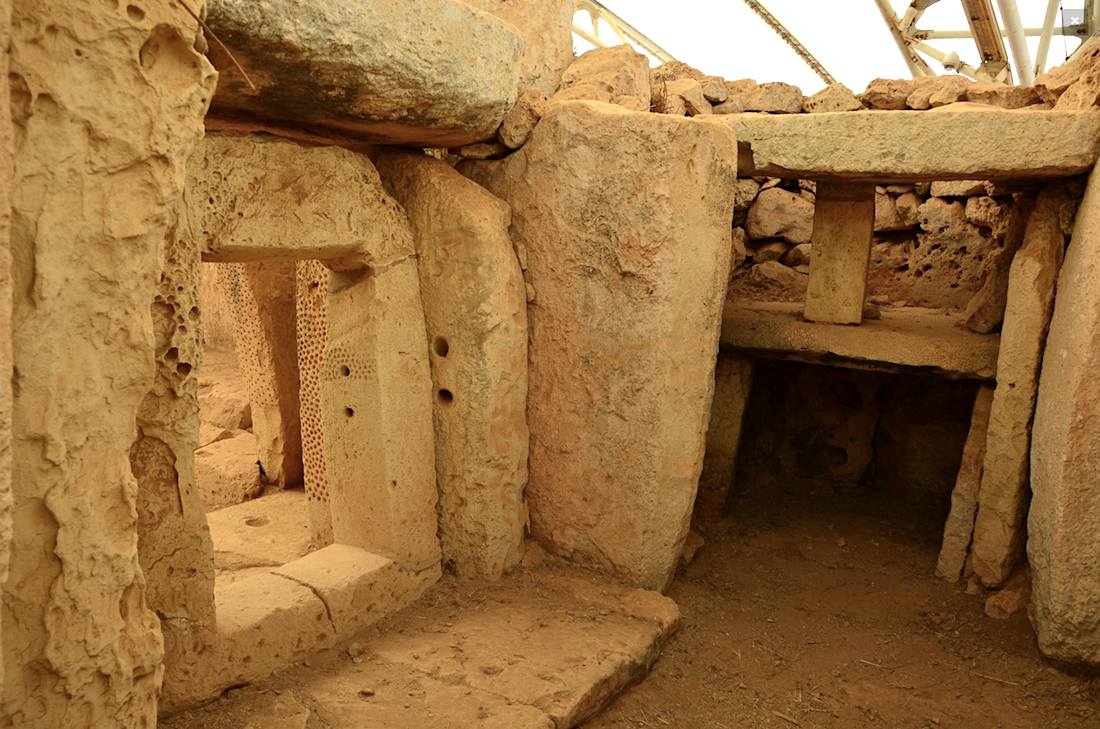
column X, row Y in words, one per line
column 908, row 339
column 956, row 142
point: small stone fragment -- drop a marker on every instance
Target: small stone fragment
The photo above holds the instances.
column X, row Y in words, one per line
column 887, row 94
column 691, row 93
column 481, row 150
column 834, row 97
column 798, row 256
column 772, row 251
column 958, row 188
column 617, row 71
column 522, row 118
column 948, row 90
column 714, row 89
column 1005, row 97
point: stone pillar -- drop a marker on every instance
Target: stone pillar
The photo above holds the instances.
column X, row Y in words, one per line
column 999, row 531
column 1063, row 540
column 174, row 545
column 5, row 306
column 475, row 306
column 108, row 103
column 262, row 297
column 625, row 218
column 376, row 412
column 732, row 382
column 844, row 225
column 959, row 527
column 311, row 298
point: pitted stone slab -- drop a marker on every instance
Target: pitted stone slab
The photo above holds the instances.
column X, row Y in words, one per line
column 959, row 142
column 426, row 73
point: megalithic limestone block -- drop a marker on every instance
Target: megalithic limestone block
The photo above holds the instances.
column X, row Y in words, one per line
column 959, row 527
column 547, row 27
column 174, row 545
column 5, row 305
column 844, row 222
column 376, row 410
column 427, row 73
column 732, row 381
column 108, row 112
column 475, row 306
column 999, row 531
column 625, row 218
column 1063, row 545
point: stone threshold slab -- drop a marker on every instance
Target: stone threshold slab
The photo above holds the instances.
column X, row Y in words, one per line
column 907, row 339
column 269, row 620
column 547, row 646
column 957, row 142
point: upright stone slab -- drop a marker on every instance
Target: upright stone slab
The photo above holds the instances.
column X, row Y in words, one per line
column 1063, row 540
column 427, row 73
column 262, row 297
column 844, row 226
column 959, row 527
column 732, row 382
column 625, row 220
column 311, row 299
column 999, row 532
column 108, row 109
column 475, row 307
column 5, row 305
column 376, row 410
column 174, row 545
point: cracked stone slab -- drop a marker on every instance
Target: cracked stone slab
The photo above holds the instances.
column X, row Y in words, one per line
column 548, row 647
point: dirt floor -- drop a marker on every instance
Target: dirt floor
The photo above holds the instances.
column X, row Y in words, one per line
column 823, row 612
column 797, row 612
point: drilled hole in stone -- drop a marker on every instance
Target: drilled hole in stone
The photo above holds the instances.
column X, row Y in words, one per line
column 136, row 14
column 258, row 521
column 440, row 346
column 349, row 412
column 445, row 397
column 345, row 370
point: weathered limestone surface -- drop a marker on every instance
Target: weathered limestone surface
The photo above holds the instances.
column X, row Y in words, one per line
column 628, row 267
column 174, row 545
column 226, row 471
column 547, row 27
column 999, row 531
column 614, row 72
column 5, row 306
column 960, row 142
column 475, row 307
column 732, row 382
column 843, row 228
column 778, row 213
column 376, row 411
column 986, row 310
column 834, row 97
column 312, row 299
column 959, row 528
column 262, row 297
column 427, row 73
column 902, row 340
column 1063, row 542
column 259, row 197
column 106, row 120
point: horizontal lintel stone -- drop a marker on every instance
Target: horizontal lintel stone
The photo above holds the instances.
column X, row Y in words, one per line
column 957, row 142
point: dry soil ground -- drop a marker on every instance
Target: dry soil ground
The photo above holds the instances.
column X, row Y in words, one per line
column 823, row 612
